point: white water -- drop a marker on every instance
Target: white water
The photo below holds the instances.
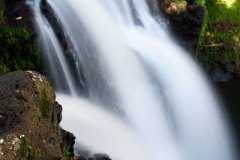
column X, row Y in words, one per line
column 189, row 126
column 53, row 51
column 103, row 128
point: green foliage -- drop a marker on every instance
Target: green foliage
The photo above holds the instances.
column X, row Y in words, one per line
column 17, row 51
column 219, row 42
column 44, row 101
column 26, row 150
column 201, row 2
column 219, row 11
column 66, row 154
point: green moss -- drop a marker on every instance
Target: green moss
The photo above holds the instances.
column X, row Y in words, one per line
column 26, row 150
column 66, row 154
column 44, row 101
column 17, row 51
column 201, row 2
column 219, row 42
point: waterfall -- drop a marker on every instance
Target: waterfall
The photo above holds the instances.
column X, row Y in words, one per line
column 146, row 98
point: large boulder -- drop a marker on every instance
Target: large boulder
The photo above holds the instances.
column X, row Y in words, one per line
column 29, row 118
column 29, row 121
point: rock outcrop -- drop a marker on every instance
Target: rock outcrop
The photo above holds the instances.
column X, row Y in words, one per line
column 29, row 121
column 185, row 21
column 29, row 118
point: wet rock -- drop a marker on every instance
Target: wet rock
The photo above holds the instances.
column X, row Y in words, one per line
column 154, row 6
column 221, row 76
column 58, row 29
column 99, row 157
column 68, row 141
column 65, row 44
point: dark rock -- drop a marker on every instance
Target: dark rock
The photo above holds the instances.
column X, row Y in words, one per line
column 68, row 141
column 58, row 29
column 221, row 76
column 13, row 6
column 99, row 157
column 230, row 95
column 65, row 44
column 19, row 14
column 3, row 120
column 186, row 25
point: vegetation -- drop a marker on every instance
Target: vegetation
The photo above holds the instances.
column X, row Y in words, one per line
column 44, row 101
column 201, row 2
column 17, row 51
column 66, row 154
column 174, row 6
column 26, row 150
column 219, row 42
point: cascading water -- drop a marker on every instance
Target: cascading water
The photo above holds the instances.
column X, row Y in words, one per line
column 163, row 107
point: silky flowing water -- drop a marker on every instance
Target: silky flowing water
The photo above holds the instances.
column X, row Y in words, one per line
column 146, row 98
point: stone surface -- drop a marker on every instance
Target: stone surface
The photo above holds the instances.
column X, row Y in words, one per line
column 185, row 24
column 29, row 121
column 24, row 131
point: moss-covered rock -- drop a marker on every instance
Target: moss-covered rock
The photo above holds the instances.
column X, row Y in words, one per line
column 44, row 101
column 24, row 132
column 219, row 44
column 26, row 150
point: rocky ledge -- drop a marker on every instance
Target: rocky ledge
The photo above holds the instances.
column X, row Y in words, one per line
column 29, row 121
